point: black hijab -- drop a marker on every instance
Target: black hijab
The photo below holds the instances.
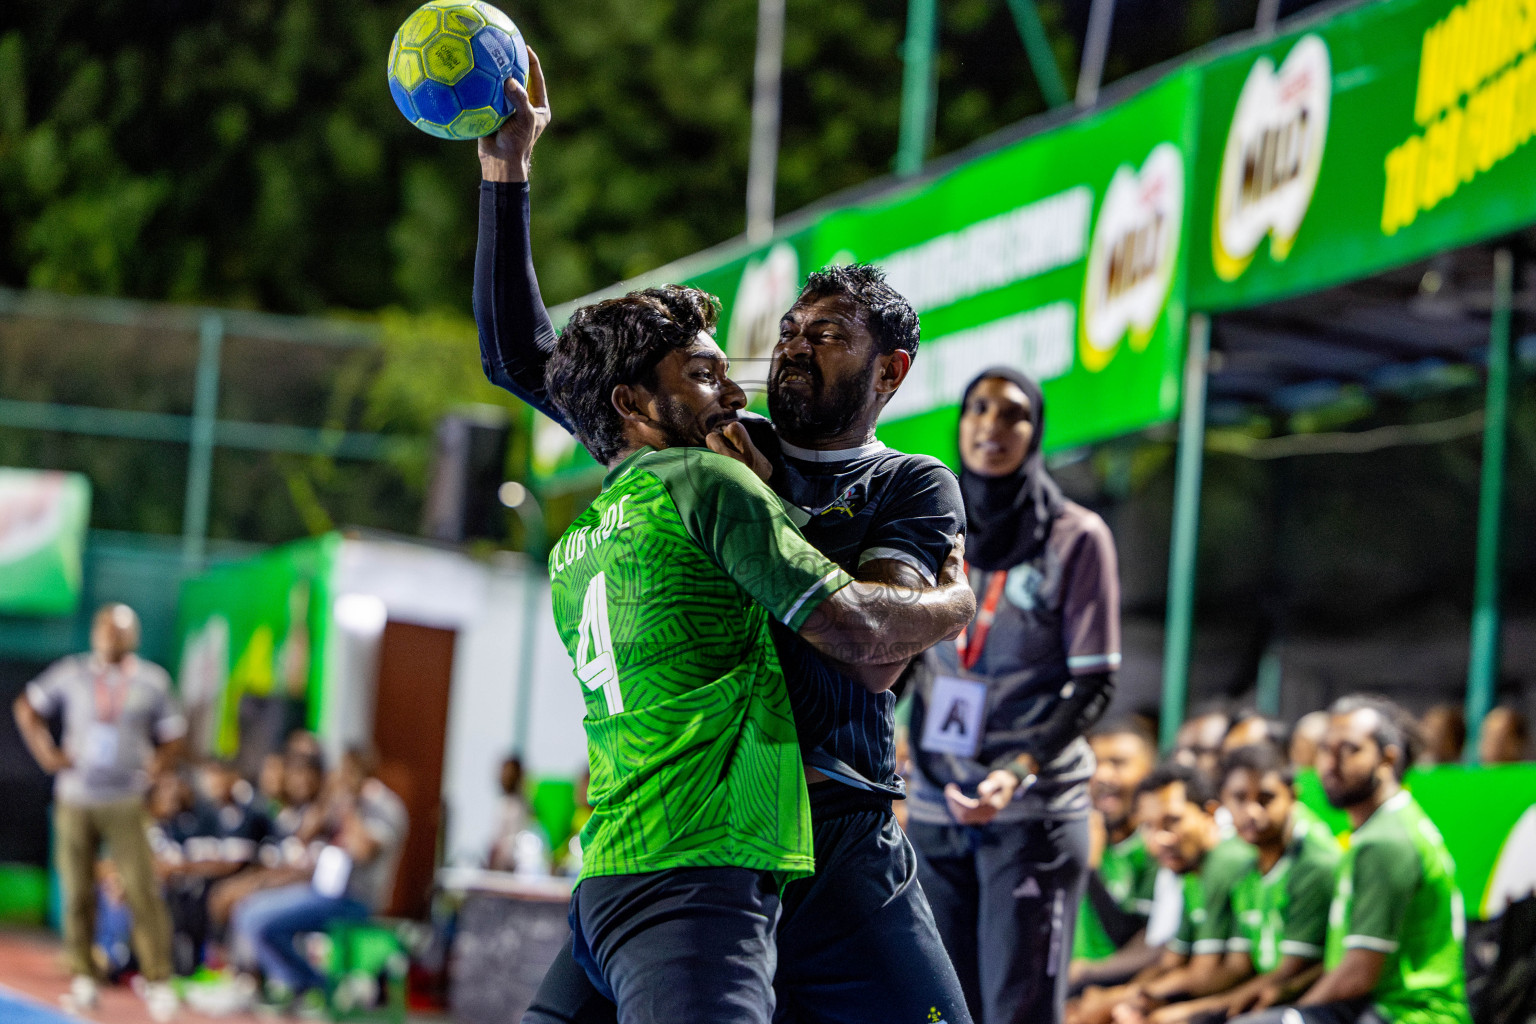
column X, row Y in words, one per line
column 1008, row 518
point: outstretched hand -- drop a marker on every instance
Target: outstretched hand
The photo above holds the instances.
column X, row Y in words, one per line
column 507, row 155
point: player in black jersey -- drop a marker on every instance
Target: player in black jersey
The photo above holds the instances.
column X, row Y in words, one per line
column 857, row 942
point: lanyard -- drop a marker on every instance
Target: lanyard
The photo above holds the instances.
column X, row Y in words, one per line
column 970, row 652
column 110, row 699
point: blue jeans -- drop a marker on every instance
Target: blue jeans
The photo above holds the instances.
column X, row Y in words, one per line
column 271, row 921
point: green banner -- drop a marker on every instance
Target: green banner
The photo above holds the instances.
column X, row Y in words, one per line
column 255, row 628
column 1488, row 819
column 1377, row 137
column 1061, row 255
column 43, row 516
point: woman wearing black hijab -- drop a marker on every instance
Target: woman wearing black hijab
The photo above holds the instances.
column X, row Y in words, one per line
column 998, row 807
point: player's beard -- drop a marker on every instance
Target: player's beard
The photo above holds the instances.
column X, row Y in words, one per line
column 678, row 425
column 1350, row 796
column 821, row 411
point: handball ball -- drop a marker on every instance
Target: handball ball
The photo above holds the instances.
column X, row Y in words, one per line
column 449, row 64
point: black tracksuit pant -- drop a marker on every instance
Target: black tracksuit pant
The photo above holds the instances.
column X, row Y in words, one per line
column 1005, row 898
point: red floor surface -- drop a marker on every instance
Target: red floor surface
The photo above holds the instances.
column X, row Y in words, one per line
column 30, row 964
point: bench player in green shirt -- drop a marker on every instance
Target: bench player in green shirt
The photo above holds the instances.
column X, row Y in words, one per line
column 1280, row 907
column 1109, row 944
column 1177, row 807
column 662, row 592
column 1395, row 928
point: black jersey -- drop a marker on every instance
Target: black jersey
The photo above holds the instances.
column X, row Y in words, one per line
column 855, row 505
column 860, row 505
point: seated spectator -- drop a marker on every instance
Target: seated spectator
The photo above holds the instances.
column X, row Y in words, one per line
column 351, row 877
column 284, row 855
column 1280, row 907
column 1199, row 739
column 214, row 836
column 1179, row 822
column 1505, row 738
column 515, row 817
column 1443, row 733
column 1305, row 738
column 1113, row 916
column 1394, row 950
column 1251, row 726
column 269, row 783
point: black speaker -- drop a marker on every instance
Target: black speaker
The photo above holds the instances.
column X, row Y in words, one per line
column 469, row 459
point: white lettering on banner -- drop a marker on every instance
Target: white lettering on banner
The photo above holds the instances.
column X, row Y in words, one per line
column 1046, row 234
column 1038, row 342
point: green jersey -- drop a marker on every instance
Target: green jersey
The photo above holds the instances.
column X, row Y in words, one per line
column 1397, row 895
column 1284, row 911
column 1129, row 874
column 662, row 592
column 1205, row 924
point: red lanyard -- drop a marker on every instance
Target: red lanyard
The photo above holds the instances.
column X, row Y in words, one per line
column 970, row 653
column 110, row 699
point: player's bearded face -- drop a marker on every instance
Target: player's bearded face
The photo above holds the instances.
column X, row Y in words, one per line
column 819, row 380
column 693, row 395
column 1348, row 761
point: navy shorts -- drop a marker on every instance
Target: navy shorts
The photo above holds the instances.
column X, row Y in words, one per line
column 857, row 942
column 687, row 944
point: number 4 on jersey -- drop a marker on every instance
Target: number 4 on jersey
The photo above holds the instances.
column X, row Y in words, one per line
column 594, row 645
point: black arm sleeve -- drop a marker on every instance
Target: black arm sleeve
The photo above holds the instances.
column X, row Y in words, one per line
column 516, row 335
column 1120, row 925
column 1083, row 701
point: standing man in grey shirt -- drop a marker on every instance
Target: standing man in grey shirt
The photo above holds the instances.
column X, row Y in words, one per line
column 121, row 726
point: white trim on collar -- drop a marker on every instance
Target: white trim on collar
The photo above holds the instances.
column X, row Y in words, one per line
column 837, row 455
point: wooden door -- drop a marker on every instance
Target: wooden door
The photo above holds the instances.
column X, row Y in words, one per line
column 410, row 726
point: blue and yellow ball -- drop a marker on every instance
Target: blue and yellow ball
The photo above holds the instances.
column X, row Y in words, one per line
column 449, row 64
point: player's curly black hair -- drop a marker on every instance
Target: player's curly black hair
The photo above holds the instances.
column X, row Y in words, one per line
column 890, row 317
column 620, row 341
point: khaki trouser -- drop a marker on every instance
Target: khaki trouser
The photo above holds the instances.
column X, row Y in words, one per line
column 79, row 832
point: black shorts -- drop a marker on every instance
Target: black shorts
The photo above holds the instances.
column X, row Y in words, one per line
column 857, row 942
column 687, row 944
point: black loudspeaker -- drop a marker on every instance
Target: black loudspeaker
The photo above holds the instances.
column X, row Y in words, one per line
column 469, row 461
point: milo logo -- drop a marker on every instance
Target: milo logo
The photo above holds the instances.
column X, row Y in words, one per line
column 1273, row 154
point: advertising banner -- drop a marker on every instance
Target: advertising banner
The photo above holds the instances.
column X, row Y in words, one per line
column 1377, row 137
column 43, row 516
column 255, row 629
column 1061, row 255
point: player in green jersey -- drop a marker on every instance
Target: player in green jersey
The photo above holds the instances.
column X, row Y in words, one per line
column 662, row 591
column 1177, row 807
column 1395, row 929
column 1280, row 906
column 1109, row 942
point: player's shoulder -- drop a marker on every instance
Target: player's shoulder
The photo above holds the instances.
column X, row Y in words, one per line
column 1231, row 857
column 906, row 474
column 699, row 481
column 696, row 467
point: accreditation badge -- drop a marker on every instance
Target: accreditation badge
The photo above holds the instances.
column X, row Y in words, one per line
column 956, row 710
column 100, row 747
